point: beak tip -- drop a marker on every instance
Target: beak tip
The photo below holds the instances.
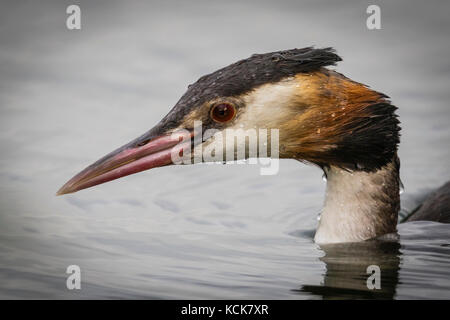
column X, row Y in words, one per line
column 63, row 190
column 126, row 160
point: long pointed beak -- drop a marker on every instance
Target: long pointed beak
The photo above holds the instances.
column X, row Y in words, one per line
column 140, row 154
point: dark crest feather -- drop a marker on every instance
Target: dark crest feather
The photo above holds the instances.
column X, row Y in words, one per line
column 247, row 74
column 373, row 141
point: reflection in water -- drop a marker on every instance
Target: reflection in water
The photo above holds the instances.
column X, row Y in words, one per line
column 346, row 270
column 201, row 232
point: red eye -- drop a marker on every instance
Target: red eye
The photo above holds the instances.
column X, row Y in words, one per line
column 223, row 112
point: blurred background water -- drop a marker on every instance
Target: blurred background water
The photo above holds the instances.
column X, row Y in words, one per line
column 69, row 97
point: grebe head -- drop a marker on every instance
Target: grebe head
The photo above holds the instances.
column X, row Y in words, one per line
column 322, row 117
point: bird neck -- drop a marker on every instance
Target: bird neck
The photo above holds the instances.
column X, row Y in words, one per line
column 359, row 205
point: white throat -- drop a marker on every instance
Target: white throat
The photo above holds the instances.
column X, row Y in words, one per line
column 359, row 205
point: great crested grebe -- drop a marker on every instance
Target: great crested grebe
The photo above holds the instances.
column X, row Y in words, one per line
column 324, row 118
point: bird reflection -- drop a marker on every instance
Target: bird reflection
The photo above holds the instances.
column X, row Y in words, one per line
column 346, row 270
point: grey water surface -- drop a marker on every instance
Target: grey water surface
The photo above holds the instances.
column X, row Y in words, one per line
column 67, row 97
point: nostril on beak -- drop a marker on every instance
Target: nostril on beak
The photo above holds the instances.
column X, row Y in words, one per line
column 143, row 143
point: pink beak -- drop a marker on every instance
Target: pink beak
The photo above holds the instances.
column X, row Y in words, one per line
column 131, row 158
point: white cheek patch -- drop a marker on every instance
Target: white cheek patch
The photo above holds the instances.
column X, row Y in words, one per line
column 254, row 138
column 241, row 147
column 268, row 103
column 212, row 149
